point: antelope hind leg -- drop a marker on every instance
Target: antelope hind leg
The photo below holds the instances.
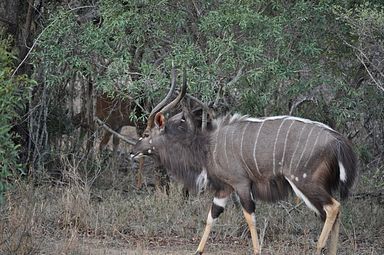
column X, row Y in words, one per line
column 249, row 213
column 334, row 236
column 331, row 224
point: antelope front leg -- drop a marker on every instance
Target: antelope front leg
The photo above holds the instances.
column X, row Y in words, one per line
column 139, row 174
column 217, row 208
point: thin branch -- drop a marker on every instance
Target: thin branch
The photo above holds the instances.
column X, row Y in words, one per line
column 204, row 120
column 125, row 139
column 370, row 74
column 126, row 96
column 38, row 37
column 295, row 207
column 299, row 102
column 263, row 231
column 237, row 77
column 198, row 101
column 230, row 83
column 378, row 84
column 32, row 47
column 80, row 7
column 216, row 102
column 6, row 21
column 196, row 8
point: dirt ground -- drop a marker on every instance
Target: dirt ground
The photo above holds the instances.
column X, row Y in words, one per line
column 91, row 246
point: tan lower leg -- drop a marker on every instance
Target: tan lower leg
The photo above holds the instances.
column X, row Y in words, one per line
column 205, row 236
column 331, row 210
column 252, row 228
column 334, row 236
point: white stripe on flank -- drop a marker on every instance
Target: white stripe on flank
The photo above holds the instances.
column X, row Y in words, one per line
column 343, row 174
column 302, row 196
column 241, row 143
column 305, row 147
column 232, row 139
column 254, row 148
column 222, row 202
column 215, row 150
column 285, row 145
column 225, row 146
column 297, row 146
column 241, row 149
column 274, row 147
column 313, row 148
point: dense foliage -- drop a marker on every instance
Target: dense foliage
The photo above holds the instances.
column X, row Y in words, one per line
column 10, row 99
column 316, row 59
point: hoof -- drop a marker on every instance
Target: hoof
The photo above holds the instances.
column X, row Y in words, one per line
column 320, row 251
column 198, row 253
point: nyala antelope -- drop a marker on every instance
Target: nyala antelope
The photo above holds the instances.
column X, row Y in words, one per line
column 258, row 158
column 115, row 113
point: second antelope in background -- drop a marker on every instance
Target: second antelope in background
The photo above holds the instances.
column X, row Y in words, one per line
column 258, row 158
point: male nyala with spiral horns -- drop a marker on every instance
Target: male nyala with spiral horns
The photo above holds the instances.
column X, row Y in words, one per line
column 258, row 158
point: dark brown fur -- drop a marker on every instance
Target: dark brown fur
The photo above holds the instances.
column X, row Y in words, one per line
column 186, row 151
column 262, row 159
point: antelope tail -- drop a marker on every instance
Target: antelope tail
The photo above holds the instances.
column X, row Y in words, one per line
column 347, row 162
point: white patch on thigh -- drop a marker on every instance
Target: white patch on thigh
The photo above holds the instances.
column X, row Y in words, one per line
column 302, row 196
column 222, row 202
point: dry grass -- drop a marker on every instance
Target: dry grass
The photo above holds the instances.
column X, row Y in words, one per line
column 100, row 213
column 19, row 224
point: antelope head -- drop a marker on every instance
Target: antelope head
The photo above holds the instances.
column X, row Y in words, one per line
column 155, row 135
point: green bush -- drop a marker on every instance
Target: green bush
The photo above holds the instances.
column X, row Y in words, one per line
column 297, row 57
column 10, row 98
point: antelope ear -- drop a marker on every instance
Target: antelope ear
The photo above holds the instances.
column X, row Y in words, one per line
column 159, row 120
